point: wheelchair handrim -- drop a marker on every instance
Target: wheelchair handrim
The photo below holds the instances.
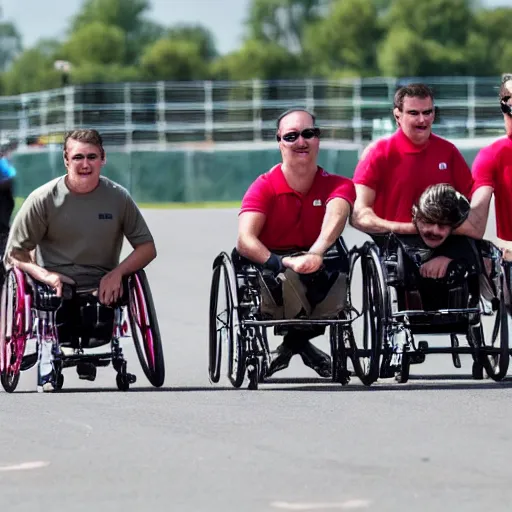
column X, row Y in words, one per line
column 142, row 320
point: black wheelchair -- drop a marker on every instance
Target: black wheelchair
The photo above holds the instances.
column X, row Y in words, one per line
column 403, row 307
column 70, row 325
column 236, row 323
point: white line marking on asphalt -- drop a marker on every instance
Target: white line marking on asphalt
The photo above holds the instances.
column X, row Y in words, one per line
column 25, row 465
column 345, row 505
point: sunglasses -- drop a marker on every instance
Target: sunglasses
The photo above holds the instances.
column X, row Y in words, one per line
column 307, row 133
column 505, row 107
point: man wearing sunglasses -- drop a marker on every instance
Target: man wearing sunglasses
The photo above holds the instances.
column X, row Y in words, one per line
column 492, row 172
column 290, row 224
column 394, row 172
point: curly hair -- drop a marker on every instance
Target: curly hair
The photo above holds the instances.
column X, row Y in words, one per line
column 441, row 204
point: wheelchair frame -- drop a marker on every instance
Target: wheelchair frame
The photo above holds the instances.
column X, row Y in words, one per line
column 20, row 320
column 247, row 344
column 491, row 355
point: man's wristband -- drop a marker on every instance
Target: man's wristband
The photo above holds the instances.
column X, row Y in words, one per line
column 274, row 263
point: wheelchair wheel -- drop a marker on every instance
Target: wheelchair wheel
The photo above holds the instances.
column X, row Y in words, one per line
column 224, row 324
column 218, row 322
column 12, row 329
column 495, row 364
column 366, row 360
column 145, row 330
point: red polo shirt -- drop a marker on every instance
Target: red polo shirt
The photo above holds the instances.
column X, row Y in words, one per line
column 493, row 167
column 294, row 220
column 399, row 172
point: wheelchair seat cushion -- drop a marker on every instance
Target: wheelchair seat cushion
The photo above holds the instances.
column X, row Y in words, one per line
column 84, row 317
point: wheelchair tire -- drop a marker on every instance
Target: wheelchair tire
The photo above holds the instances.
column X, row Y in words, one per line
column 143, row 321
column 13, row 333
column 215, row 337
column 235, row 348
column 366, row 361
column 496, row 364
column 236, row 354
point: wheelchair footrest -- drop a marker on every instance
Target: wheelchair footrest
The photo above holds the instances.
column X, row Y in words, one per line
column 95, row 359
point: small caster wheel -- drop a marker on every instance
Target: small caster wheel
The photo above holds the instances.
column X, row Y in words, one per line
column 122, row 382
column 132, row 379
column 254, row 376
column 477, row 371
column 344, row 377
column 402, row 376
column 59, row 382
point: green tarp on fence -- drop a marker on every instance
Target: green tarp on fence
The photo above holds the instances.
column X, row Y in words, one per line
column 181, row 176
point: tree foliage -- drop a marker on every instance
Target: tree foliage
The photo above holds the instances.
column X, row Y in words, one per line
column 116, row 41
column 282, row 21
column 10, row 44
column 169, row 59
column 352, row 49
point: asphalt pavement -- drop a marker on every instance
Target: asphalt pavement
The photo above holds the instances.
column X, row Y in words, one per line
column 438, row 443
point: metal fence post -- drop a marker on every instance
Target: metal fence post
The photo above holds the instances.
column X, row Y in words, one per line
column 208, row 110
column 357, row 124
column 160, row 88
column 128, row 115
column 471, row 122
column 310, row 94
column 256, row 110
column 69, row 107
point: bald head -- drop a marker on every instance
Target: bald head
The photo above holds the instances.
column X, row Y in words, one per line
column 292, row 111
column 506, row 88
column 506, row 103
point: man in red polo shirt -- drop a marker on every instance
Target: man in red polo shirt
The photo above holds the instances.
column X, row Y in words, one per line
column 492, row 172
column 395, row 171
column 297, row 207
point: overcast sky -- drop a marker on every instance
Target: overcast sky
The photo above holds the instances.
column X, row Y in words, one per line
column 49, row 18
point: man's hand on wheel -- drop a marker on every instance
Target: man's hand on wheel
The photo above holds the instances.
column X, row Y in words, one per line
column 304, row 263
column 55, row 281
column 435, row 268
column 111, row 288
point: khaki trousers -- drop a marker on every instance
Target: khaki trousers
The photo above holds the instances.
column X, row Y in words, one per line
column 295, row 302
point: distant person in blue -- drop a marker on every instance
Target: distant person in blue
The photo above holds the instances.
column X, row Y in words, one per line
column 7, row 175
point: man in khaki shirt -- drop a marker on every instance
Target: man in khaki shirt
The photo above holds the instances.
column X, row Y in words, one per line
column 76, row 224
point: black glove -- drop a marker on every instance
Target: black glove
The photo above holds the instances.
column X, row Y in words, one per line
column 274, row 264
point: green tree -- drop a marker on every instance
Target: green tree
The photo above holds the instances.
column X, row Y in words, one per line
column 444, row 21
column 352, row 49
column 10, row 44
column 90, row 72
column 169, row 59
column 196, row 34
column 96, row 42
column 493, row 35
column 256, row 59
column 429, row 38
column 126, row 15
column 283, row 21
column 31, row 71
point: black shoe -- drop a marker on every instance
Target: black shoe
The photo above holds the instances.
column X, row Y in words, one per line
column 28, row 361
column 316, row 359
column 86, row 371
column 390, row 367
column 281, row 358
